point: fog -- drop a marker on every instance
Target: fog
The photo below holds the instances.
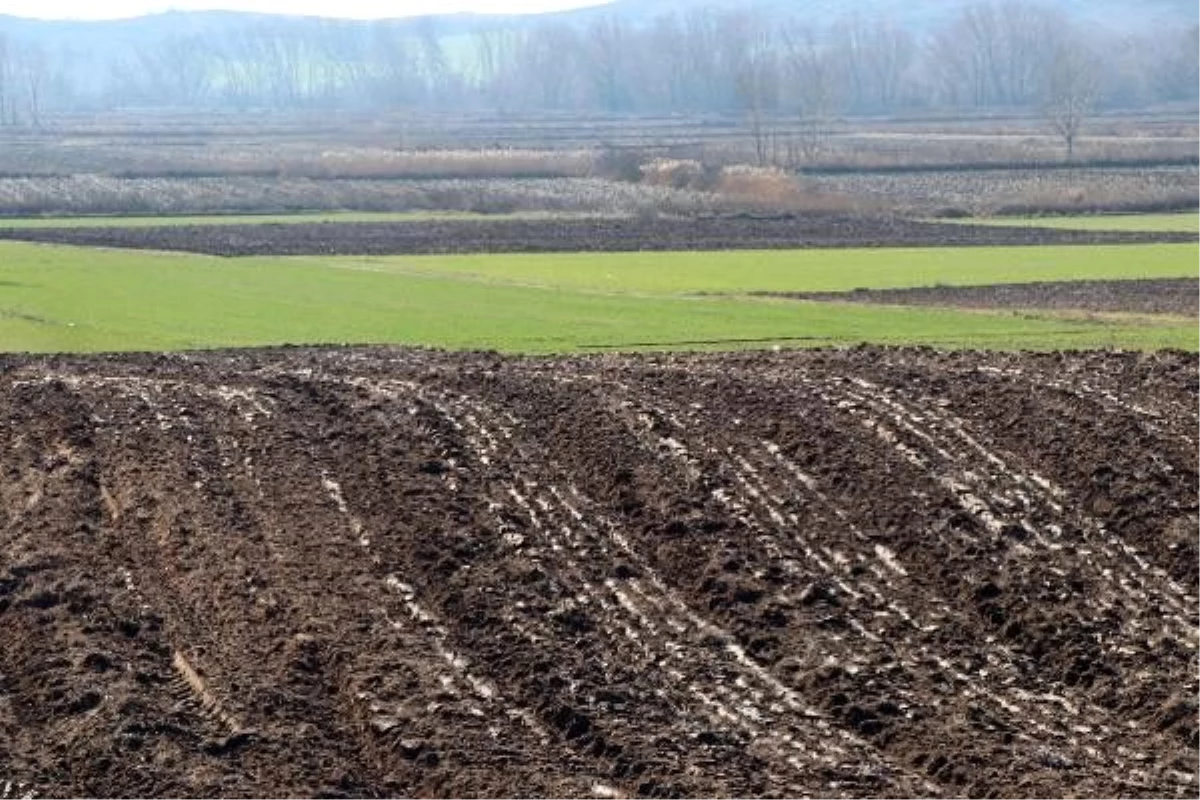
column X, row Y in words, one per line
column 754, row 59
column 348, row 9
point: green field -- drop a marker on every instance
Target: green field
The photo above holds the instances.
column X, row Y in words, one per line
column 1186, row 222
column 745, row 271
column 74, row 299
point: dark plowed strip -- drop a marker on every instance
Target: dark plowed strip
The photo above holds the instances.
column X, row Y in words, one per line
column 1179, row 296
column 571, row 235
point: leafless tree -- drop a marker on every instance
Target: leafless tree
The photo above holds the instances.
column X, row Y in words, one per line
column 756, row 79
column 1071, row 90
column 547, row 66
column 813, row 85
column 25, row 76
column 1176, row 73
column 31, row 69
column 607, row 49
column 497, row 59
column 874, row 56
column 391, row 67
column 177, row 72
column 698, row 60
column 7, row 106
column 995, row 53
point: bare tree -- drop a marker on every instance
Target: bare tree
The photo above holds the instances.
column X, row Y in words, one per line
column 547, row 66
column 7, row 105
column 1177, row 75
column 174, row 73
column 756, row 80
column 392, row 67
column 498, row 57
column 813, row 85
column 995, row 53
column 1071, row 91
column 874, row 57
column 606, row 55
column 31, row 68
column 694, row 59
column 441, row 82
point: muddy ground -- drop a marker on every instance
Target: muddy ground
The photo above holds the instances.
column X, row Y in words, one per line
column 571, row 235
column 360, row 572
column 1178, row 296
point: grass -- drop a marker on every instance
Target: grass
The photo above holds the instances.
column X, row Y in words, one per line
column 1184, row 222
column 796, row 270
column 74, row 299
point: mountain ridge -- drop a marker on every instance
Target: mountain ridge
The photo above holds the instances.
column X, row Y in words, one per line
column 1114, row 14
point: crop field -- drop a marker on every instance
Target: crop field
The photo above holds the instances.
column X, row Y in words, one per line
column 487, row 457
column 573, row 234
column 78, row 299
column 371, row 571
column 135, row 165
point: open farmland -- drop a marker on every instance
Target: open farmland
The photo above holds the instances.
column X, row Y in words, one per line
column 203, row 164
column 647, row 399
column 382, row 571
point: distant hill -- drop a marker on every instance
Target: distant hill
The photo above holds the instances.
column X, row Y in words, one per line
column 915, row 15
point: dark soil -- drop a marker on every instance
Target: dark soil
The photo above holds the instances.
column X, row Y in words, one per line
column 364, row 572
column 1179, row 296
column 570, row 235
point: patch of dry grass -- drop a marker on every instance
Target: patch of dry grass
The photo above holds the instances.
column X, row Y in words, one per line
column 93, row 194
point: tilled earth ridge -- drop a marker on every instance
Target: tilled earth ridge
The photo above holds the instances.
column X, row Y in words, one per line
column 572, row 235
column 1178, row 296
column 351, row 572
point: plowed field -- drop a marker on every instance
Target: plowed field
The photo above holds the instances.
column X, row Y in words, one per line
column 348, row 572
column 572, row 235
column 1179, row 296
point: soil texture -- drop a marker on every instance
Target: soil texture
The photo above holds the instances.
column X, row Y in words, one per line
column 375, row 571
column 1177, row 296
column 571, row 235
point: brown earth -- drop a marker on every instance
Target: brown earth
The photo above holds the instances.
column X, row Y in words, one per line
column 360, row 572
column 1178, row 296
column 571, row 235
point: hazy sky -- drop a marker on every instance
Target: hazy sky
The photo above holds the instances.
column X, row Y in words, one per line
column 358, row 9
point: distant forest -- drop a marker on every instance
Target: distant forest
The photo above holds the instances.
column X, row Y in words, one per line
column 989, row 56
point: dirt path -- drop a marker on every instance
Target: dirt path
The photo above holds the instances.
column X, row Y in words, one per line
column 354, row 572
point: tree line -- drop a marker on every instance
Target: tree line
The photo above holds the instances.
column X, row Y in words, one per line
column 1003, row 54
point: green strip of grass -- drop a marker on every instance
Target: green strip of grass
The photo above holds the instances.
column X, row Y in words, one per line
column 75, row 299
column 731, row 272
column 1185, row 222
